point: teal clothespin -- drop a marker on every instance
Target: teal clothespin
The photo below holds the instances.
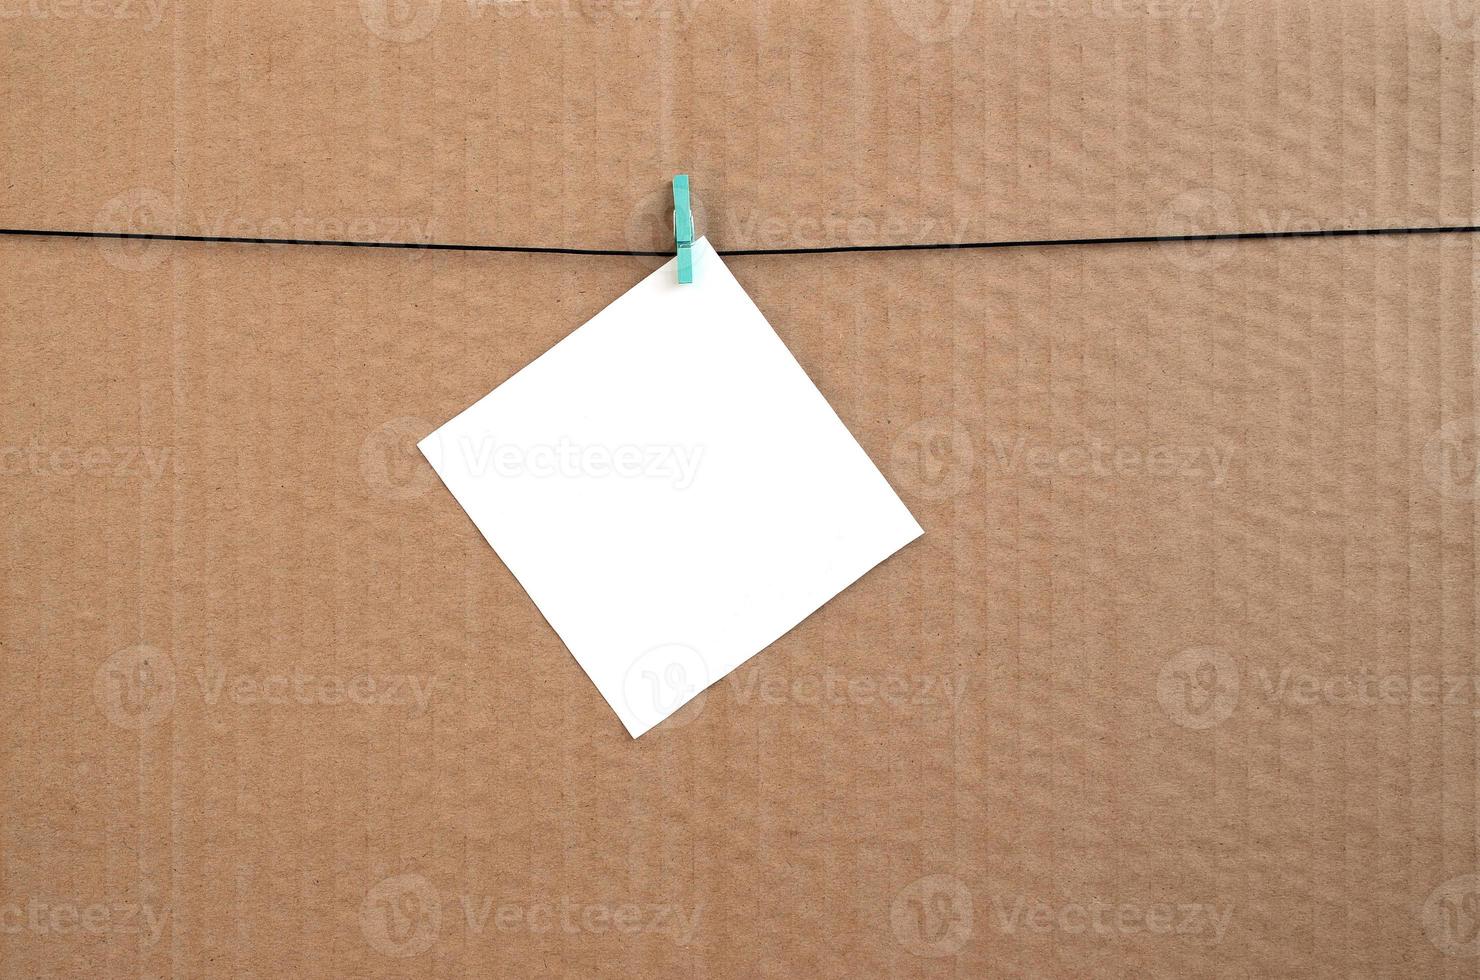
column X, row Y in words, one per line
column 683, row 228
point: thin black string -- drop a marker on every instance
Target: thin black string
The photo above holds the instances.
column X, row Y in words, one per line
column 1233, row 236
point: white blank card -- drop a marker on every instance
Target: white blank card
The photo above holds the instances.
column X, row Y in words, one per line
column 670, row 488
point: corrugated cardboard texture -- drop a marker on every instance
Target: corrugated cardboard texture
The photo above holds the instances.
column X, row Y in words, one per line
column 1181, row 680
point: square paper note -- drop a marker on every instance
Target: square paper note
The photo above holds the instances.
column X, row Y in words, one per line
column 670, row 489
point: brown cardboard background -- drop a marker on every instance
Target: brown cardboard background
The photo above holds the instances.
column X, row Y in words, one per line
column 293, row 526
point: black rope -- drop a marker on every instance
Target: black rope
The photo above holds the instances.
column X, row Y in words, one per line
column 1234, row 236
